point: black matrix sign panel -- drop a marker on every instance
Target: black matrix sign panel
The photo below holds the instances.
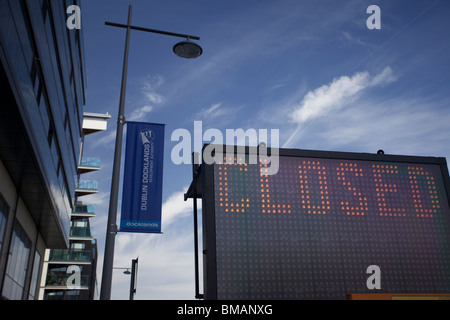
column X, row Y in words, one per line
column 312, row 230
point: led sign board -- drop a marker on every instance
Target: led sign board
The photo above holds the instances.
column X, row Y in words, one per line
column 312, row 230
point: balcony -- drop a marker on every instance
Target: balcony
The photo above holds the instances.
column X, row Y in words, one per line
column 58, row 281
column 64, row 256
column 86, row 187
column 62, row 295
column 84, row 210
column 89, row 165
column 94, row 122
column 81, row 233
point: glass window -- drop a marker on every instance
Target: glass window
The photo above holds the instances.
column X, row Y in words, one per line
column 62, row 295
column 4, row 209
column 77, row 245
column 58, row 295
column 81, row 223
column 16, row 269
column 37, row 86
column 35, row 276
column 23, row 30
column 53, row 142
column 44, row 6
column 43, row 107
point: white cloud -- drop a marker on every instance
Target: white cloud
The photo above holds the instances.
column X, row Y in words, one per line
column 217, row 115
column 401, row 125
column 405, row 123
column 107, row 139
column 149, row 87
column 212, row 112
column 385, row 77
column 175, row 208
column 166, row 265
column 151, row 98
column 140, row 113
column 356, row 40
column 332, row 96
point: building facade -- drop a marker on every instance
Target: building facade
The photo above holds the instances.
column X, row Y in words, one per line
column 42, row 94
column 58, row 281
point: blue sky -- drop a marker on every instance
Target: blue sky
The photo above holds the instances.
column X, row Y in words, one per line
column 311, row 69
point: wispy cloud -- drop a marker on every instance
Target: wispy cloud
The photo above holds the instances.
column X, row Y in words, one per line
column 217, row 114
column 140, row 113
column 151, row 98
column 400, row 125
column 405, row 123
column 149, row 87
column 351, row 39
column 175, row 208
column 212, row 112
column 107, row 139
column 334, row 95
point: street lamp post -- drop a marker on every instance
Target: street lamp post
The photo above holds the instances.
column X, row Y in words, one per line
column 133, row 273
column 186, row 49
column 134, row 265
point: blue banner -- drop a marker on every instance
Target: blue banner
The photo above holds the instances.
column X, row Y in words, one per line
column 142, row 185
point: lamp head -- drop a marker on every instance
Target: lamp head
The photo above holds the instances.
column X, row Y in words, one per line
column 187, row 49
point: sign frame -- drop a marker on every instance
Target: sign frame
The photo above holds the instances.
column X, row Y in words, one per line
column 205, row 190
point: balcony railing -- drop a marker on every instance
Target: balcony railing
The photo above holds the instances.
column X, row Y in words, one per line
column 87, row 210
column 88, row 165
column 72, row 256
column 60, row 295
column 88, row 185
column 81, row 232
column 85, row 187
column 90, row 162
column 57, row 280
